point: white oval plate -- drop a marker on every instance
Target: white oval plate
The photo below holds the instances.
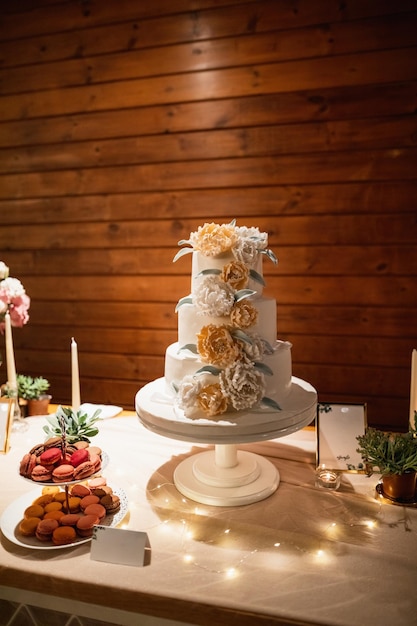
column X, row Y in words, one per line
column 14, row 514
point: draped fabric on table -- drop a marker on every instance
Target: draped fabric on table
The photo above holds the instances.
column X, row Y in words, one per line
column 335, row 558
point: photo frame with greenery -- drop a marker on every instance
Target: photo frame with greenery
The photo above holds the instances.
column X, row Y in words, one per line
column 337, row 426
column 6, row 422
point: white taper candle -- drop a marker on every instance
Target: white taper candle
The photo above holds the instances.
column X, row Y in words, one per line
column 11, row 367
column 75, row 376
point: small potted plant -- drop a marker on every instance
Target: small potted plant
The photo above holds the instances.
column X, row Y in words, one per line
column 395, row 456
column 34, row 392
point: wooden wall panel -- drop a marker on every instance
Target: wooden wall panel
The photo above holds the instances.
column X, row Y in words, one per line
column 124, row 126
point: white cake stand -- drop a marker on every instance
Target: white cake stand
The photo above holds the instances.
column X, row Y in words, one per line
column 226, row 476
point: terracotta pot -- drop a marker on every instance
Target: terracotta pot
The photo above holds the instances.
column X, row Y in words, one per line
column 400, row 486
column 39, row 406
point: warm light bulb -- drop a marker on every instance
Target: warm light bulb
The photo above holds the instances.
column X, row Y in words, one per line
column 231, row 572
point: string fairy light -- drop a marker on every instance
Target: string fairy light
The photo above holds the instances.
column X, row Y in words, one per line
column 195, row 527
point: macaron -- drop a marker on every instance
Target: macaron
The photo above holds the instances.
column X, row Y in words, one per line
column 69, row 519
column 27, row 464
column 34, row 510
column 53, row 506
column 87, row 500
column 80, row 490
column 79, row 456
column 28, row 526
column 99, row 491
column 85, row 525
column 63, row 535
column 98, row 481
column 53, row 442
column 37, row 449
column 63, row 473
column 44, row 499
column 41, row 474
column 84, row 470
column 73, row 504
column 50, row 457
column 95, row 450
column 50, row 490
column 61, row 496
column 81, row 444
column 45, row 528
column 111, row 502
column 95, row 509
column 55, row 514
column 96, row 460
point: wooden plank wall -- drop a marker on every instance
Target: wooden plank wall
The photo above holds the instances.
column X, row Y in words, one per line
column 125, row 125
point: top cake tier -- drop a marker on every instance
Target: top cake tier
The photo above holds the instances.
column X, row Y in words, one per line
column 229, row 252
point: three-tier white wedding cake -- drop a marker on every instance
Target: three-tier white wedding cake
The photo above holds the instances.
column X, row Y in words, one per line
column 227, row 357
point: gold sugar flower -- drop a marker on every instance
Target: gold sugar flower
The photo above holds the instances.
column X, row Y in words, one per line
column 211, row 400
column 235, row 274
column 214, row 239
column 243, row 314
column 216, row 345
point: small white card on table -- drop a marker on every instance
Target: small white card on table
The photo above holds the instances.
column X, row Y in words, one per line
column 121, row 546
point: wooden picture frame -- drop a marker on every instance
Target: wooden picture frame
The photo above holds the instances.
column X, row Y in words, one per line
column 337, row 426
column 6, row 422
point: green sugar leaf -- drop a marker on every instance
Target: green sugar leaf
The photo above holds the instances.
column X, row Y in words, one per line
column 271, row 403
column 257, row 277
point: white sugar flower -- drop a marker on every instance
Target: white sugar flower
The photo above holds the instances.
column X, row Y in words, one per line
column 243, row 385
column 4, row 270
column 188, row 392
column 214, row 297
column 253, row 234
column 246, row 251
column 253, row 350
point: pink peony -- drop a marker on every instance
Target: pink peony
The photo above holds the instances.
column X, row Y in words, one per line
column 13, row 298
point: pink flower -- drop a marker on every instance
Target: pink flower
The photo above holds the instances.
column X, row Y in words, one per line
column 13, row 298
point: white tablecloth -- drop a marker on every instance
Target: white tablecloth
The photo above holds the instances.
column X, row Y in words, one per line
column 339, row 559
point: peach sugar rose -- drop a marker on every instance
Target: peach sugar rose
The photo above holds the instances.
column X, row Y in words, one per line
column 214, row 239
column 211, row 400
column 215, row 345
column 243, row 315
column 235, row 274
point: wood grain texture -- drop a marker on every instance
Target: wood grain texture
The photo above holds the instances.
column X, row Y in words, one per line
column 125, row 126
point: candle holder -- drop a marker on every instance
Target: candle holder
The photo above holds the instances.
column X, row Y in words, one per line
column 327, row 478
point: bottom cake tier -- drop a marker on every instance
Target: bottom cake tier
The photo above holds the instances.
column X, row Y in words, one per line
column 158, row 413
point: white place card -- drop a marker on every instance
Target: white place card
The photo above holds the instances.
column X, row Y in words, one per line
column 121, row 546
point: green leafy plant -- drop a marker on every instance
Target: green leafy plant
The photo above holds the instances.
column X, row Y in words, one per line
column 30, row 388
column 391, row 453
column 79, row 426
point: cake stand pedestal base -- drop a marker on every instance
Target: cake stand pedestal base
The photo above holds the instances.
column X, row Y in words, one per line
column 226, row 476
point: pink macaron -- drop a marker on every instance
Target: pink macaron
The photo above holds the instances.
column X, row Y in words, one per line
column 51, row 456
column 41, row 474
column 79, row 456
column 63, row 473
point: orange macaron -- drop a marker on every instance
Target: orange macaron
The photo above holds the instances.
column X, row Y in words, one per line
column 63, row 535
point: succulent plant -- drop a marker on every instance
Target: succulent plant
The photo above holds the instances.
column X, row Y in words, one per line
column 31, row 388
column 28, row 388
column 392, row 453
column 78, row 425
